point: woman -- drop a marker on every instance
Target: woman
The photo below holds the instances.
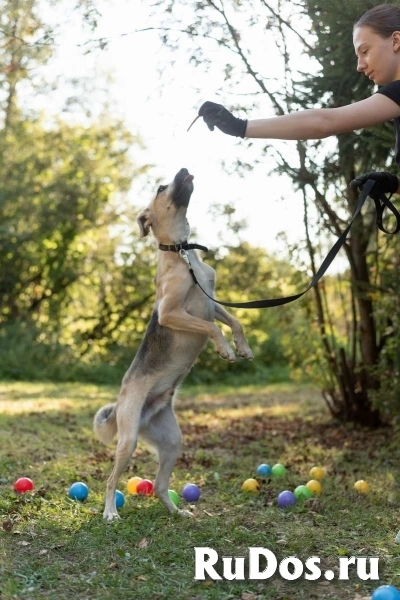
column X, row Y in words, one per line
column 376, row 38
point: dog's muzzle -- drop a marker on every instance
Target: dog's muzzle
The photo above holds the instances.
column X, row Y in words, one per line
column 183, row 187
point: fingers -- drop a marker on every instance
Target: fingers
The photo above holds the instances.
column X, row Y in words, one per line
column 211, row 113
column 359, row 182
column 208, row 107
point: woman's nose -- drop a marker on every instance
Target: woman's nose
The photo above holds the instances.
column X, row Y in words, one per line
column 361, row 66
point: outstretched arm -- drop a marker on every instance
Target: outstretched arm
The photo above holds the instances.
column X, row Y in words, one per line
column 316, row 123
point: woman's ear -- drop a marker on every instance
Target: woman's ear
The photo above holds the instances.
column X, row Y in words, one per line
column 144, row 222
column 396, row 40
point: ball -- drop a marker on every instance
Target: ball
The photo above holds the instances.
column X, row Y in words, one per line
column 251, row 485
column 119, row 499
column 145, row 487
column 302, row 492
column 314, row 486
column 286, row 499
column 278, row 470
column 23, row 484
column 386, row 592
column 191, row 493
column 264, row 470
column 317, row 473
column 132, row 484
column 174, row 497
column 78, row 491
column 361, row 487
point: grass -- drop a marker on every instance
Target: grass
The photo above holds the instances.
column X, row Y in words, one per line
column 53, row 547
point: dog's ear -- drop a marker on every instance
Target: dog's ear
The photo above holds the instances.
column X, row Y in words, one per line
column 144, row 222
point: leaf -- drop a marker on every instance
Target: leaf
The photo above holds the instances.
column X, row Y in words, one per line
column 143, row 543
column 7, row 525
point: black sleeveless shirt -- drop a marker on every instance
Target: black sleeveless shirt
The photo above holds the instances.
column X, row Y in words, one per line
column 392, row 91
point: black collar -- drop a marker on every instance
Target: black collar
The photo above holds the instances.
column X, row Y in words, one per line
column 182, row 246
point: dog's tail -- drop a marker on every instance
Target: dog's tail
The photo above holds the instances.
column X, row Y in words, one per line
column 105, row 423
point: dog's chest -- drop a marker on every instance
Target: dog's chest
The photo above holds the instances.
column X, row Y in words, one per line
column 197, row 303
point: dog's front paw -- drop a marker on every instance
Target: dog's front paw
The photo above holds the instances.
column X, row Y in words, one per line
column 245, row 352
column 227, row 353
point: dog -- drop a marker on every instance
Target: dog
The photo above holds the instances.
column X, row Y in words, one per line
column 181, row 324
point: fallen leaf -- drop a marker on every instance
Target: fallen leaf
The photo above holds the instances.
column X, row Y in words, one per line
column 141, row 578
column 43, row 552
column 143, row 543
column 113, row 565
column 24, row 543
column 7, row 525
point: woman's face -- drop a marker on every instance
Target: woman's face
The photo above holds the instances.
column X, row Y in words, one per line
column 378, row 57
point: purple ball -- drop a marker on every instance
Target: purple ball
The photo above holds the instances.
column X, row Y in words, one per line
column 286, row 499
column 191, row 492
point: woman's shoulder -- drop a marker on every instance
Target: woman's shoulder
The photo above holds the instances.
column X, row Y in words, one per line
column 391, row 90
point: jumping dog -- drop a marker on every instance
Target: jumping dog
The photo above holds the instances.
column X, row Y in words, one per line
column 181, row 324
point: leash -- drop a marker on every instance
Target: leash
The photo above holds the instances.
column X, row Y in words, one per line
column 381, row 203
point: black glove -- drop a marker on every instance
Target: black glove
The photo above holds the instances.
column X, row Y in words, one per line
column 386, row 183
column 216, row 115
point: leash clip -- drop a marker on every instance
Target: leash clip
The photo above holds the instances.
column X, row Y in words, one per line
column 185, row 256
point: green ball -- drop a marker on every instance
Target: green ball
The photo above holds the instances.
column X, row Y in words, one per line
column 302, row 492
column 174, row 497
column 278, row 470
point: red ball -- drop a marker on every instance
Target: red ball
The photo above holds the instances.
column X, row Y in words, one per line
column 145, row 487
column 23, row 484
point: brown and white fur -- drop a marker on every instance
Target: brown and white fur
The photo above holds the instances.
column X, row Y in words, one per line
column 180, row 326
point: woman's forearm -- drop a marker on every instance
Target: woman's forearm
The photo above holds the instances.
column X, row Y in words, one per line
column 303, row 125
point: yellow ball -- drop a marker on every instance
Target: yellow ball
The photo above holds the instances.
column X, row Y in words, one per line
column 251, row 485
column 132, row 485
column 314, row 486
column 361, row 486
column 317, row 473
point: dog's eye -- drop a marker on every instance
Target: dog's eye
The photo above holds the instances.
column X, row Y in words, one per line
column 161, row 189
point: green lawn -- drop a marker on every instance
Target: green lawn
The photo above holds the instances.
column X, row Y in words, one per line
column 53, row 547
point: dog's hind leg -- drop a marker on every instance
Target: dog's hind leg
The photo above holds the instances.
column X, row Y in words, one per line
column 164, row 435
column 129, row 410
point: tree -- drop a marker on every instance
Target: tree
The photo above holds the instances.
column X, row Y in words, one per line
column 61, row 202
column 322, row 173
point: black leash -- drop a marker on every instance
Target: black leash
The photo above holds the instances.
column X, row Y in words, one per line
column 381, row 203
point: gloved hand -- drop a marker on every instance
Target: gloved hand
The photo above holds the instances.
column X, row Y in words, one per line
column 216, row 115
column 386, row 183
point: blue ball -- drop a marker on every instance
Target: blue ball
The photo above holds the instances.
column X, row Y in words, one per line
column 286, row 499
column 191, row 493
column 119, row 499
column 264, row 470
column 386, row 592
column 78, row 491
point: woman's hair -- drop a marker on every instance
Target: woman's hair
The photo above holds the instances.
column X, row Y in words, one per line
column 383, row 19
